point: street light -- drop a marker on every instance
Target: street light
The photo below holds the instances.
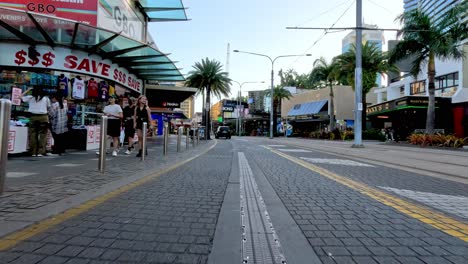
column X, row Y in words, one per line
column 272, row 76
column 238, row 120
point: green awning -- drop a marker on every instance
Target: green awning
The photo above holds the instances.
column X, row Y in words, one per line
column 164, row 10
column 139, row 58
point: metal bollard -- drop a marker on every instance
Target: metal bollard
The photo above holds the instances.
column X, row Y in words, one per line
column 143, row 142
column 166, row 138
column 198, row 136
column 187, row 138
column 180, row 131
column 102, row 145
column 5, row 115
column 193, row 137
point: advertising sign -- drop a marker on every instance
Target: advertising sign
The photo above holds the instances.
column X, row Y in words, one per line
column 119, row 16
column 68, row 60
column 84, row 11
column 11, row 140
column 16, row 96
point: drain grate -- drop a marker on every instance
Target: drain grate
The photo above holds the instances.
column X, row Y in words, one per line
column 260, row 243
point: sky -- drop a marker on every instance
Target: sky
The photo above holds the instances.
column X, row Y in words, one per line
column 259, row 26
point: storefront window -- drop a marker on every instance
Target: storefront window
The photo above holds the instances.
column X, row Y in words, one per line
column 446, row 85
column 418, row 87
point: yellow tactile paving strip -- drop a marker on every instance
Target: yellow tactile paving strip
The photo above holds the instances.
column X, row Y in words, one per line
column 16, row 237
column 437, row 220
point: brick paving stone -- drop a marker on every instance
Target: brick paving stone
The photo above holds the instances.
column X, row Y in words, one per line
column 91, row 253
column 28, row 258
column 364, row 260
column 49, row 249
column 78, row 261
column 54, row 260
column 70, row 251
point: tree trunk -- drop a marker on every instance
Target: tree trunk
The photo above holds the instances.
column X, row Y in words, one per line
column 430, row 118
column 275, row 115
column 203, row 109
column 208, row 117
column 331, row 106
column 364, row 114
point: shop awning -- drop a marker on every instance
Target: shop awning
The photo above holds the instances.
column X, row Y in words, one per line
column 137, row 57
column 163, row 10
column 310, row 108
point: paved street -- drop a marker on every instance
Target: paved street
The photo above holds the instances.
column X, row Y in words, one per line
column 248, row 199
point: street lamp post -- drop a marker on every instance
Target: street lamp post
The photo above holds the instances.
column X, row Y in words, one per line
column 238, row 120
column 272, row 78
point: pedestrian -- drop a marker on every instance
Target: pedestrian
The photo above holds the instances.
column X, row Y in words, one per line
column 142, row 114
column 129, row 129
column 39, row 120
column 114, row 113
column 58, row 122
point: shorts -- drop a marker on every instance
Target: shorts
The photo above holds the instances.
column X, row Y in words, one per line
column 129, row 132
column 113, row 127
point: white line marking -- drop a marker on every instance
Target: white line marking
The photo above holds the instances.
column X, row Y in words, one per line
column 19, row 174
column 454, row 204
column 277, row 146
column 295, row 150
column 336, row 162
column 68, row 165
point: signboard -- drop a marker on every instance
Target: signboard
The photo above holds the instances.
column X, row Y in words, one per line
column 11, row 140
column 16, row 95
column 119, row 16
column 228, row 109
column 170, row 104
column 64, row 59
column 84, row 11
column 220, row 119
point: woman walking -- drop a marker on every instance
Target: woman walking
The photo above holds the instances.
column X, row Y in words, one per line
column 129, row 127
column 142, row 115
column 39, row 120
column 58, row 120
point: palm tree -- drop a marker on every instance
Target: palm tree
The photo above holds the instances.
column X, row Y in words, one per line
column 279, row 93
column 426, row 37
column 373, row 61
column 324, row 72
column 208, row 76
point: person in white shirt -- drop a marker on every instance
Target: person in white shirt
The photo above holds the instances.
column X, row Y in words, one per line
column 114, row 113
column 39, row 120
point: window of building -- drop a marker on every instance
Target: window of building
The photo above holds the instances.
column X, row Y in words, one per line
column 418, row 87
column 446, row 85
column 402, row 90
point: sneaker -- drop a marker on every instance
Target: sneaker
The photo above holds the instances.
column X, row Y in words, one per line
column 39, row 155
column 128, row 152
column 114, row 153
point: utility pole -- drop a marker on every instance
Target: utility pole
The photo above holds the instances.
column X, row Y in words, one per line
column 358, row 80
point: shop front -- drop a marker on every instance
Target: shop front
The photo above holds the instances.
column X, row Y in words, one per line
column 84, row 63
column 408, row 114
column 308, row 117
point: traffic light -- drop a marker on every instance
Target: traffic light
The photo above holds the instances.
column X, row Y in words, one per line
column 32, row 53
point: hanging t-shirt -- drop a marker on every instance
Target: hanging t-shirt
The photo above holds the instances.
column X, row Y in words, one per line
column 78, row 89
column 93, row 89
column 103, row 91
column 111, row 90
column 63, row 85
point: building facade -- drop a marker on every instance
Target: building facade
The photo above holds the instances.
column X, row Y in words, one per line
column 404, row 101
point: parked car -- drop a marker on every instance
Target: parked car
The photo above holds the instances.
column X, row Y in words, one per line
column 223, row 131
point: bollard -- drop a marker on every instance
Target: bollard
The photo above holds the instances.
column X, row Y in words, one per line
column 187, row 139
column 143, row 142
column 166, row 138
column 102, row 145
column 180, row 131
column 193, row 137
column 198, row 136
column 5, row 115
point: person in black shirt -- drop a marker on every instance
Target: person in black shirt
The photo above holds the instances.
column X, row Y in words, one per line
column 129, row 129
column 142, row 114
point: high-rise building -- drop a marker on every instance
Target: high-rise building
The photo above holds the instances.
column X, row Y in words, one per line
column 435, row 8
column 373, row 36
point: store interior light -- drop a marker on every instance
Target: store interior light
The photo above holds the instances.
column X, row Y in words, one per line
column 382, row 117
